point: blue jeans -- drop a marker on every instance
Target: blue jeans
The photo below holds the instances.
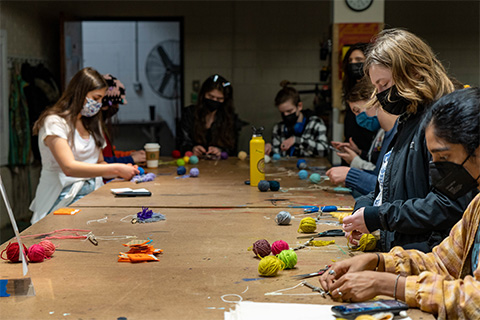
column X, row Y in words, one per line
column 87, row 187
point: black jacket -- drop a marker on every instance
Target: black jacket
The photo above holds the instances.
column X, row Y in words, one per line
column 412, row 215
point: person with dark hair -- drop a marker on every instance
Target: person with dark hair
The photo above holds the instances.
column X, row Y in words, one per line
column 446, row 281
column 70, row 142
column 352, row 67
column 115, row 96
column 408, row 78
column 301, row 133
column 210, row 126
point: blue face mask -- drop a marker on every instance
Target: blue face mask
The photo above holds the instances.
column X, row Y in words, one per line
column 369, row 123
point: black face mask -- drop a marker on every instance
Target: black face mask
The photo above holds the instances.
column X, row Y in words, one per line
column 396, row 104
column 452, row 179
column 290, row 120
column 355, row 70
column 212, row 105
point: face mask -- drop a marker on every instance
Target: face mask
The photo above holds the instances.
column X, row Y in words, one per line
column 91, row 108
column 355, row 70
column 369, row 123
column 396, row 104
column 452, row 179
column 212, row 105
column 290, row 119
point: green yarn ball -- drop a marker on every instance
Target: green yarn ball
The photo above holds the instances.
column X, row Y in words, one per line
column 274, row 185
column 193, row 159
column 315, row 178
column 289, row 257
column 180, row 162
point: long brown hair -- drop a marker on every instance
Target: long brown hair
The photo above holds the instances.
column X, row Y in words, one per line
column 71, row 103
column 419, row 76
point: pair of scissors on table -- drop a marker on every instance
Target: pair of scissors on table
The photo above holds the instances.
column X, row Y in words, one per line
column 313, row 274
column 328, row 233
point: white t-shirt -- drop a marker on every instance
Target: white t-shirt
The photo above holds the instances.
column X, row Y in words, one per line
column 381, row 178
column 52, row 178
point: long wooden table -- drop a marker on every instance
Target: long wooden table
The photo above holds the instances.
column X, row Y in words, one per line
column 205, row 257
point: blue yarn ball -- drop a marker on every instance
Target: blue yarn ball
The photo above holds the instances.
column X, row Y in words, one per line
column 194, row 172
column 141, row 171
column 274, row 185
column 181, row 170
column 301, row 164
column 303, row 174
column 276, row 156
column 315, row 178
column 193, row 159
column 263, row 185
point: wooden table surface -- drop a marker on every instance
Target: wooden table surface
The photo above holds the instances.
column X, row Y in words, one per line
column 205, row 257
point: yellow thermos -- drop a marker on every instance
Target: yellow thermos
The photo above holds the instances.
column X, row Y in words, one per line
column 257, row 157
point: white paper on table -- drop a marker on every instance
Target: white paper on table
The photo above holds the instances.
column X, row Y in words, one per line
column 121, row 190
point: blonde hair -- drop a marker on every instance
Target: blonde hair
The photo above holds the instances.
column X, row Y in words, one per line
column 418, row 75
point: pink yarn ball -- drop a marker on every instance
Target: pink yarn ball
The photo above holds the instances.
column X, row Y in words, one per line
column 36, row 253
column 279, row 246
column 261, row 248
column 48, row 246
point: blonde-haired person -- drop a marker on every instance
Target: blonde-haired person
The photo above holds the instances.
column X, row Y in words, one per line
column 70, row 140
column 404, row 207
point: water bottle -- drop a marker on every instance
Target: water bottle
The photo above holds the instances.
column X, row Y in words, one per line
column 257, row 157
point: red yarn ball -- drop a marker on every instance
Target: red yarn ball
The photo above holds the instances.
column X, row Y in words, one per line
column 13, row 252
column 36, row 253
column 188, row 154
column 176, row 154
column 261, row 248
column 48, row 246
column 279, row 246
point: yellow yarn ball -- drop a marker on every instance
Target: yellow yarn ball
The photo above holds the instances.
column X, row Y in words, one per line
column 242, row 155
column 307, row 225
column 269, row 266
column 340, row 215
column 186, row 159
column 367, row 242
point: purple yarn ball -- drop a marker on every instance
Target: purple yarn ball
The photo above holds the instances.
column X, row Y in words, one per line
column 224, row 155
column 194, row 172
column 261, row 248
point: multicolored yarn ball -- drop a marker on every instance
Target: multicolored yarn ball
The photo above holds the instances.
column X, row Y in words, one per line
column 276, row 156
column 278, row 246
column 181, row 170
column 303, row 174
column 224, row 155
column 180, row 162
column 186, row 159
column 261, row 248
column 267, row 159
column 274, row 185
column 307, row 225
column 263, row 185
column 176, row 154
column 289, row 257
column 193, row 159
column 315, row 178
column 194, row 172
column 301, row 164
column 141, row 171
column 48, row 246
column 13, row 252
column 283, row 218
column 36, row 253
column 269, row 266
column 242, row 155
column 188, row 154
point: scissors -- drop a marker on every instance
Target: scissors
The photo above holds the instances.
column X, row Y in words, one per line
column 328, row 233
column 313, row 274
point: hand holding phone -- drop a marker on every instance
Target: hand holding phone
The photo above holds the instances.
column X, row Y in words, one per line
column 353, row 310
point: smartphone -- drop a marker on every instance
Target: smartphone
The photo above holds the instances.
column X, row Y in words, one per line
column 134, row 194
column 353, row 310
column 335, row 149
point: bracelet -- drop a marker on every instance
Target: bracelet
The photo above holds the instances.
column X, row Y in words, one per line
column 378, row 261
column 395, row 288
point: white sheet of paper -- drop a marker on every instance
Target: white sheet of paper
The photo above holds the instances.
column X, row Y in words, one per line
column 120, row 190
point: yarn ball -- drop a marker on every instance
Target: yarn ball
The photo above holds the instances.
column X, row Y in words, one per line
column 48, row 246
column 13, row 252
column 242, row 155
column 141, row 171
column 276, row 156
column 261, row 248
column 181, row 170
column 193, row 159
column 283, row 218
column 367, row 242
column 289, row 257
column 176, row 154
column 307, row 225
column 224, row 155
column 188, row 154
column 267, row 159
column 269, row 266
column 263, row 185
column 36, row 253
column 194, row 172
column 274, row 185
column 180, row 162
column 315, row 178
column 278, row 246
column 186, row 159
column 303, row 174
column 301, row 164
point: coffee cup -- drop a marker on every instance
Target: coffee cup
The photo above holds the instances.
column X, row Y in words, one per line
column 153, row 153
